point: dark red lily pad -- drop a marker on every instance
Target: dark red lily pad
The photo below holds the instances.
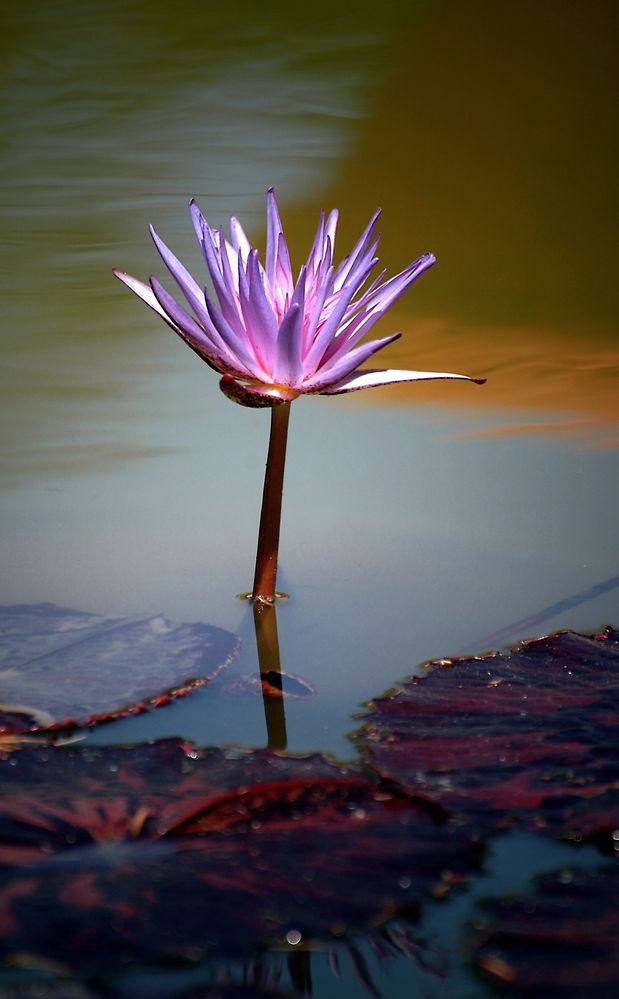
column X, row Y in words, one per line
column 531, row 733
column 561, row 940
column 43, row 989
column 235, row 992
column 162, row 851
column 61, row 667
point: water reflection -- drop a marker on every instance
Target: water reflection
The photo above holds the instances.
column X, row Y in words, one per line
column 267, row 642
column 489, row 144
column 359, row 965
column 567, row 383
column 530, row 625
column 504, row 168
column 104, row 138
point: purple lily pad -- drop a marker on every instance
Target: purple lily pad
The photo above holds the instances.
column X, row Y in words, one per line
column 61, row 667
column 139, row 854
column 561, row 940
column 530, row 733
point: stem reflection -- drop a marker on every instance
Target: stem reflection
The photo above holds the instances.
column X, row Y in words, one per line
column 267, row 641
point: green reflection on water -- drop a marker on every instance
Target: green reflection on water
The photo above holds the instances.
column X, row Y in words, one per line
column 482, row 130
column 114, row 115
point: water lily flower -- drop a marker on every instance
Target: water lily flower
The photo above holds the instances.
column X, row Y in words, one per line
column 271, row 337
column 274, row 338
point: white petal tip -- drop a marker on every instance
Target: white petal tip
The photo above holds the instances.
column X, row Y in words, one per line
column 391, row 376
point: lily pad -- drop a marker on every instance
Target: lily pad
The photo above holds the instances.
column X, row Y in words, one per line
column 561, row 940
column 44, row 989
column 110, row 856
column 531, row 733
column 61, row 667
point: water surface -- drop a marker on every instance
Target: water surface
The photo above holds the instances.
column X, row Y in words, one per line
column 419, row 522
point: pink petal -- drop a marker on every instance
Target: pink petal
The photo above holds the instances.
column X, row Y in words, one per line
column 375, row 306
column 277, row 258
column 289, row 364
column 240, row 241
column 359, row 250
column 330, row 227
column 199, row 222
column 335, row 372
column 374, row 379
column 262, row 310
column 183, row 278
column 230, row 277
column 209, row 346
column 237, row 343
column 253, row 321
column 146, row 293
column 318, row 293
column 387, row 293
column 316, row 251
column 222, row 279
column 328, row 330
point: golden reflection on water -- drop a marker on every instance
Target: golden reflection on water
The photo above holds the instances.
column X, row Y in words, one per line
column 489, row 143
column 567, row 373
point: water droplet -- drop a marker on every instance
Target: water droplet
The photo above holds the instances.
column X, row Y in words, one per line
column 405, row 882
column 294, row 937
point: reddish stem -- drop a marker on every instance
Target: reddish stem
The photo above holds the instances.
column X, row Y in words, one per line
column 265, row 620
column 270, row 517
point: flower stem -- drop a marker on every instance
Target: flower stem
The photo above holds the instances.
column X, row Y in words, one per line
column 270, row 516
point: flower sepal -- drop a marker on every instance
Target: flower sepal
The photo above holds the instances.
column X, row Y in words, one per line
column 255, row 396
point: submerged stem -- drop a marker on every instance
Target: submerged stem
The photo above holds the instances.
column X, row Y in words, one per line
column 270, row 516
column 267, row 641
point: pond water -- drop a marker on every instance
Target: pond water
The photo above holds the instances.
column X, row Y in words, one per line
column 420, row 521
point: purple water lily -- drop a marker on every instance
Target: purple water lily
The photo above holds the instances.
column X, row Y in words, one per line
column 272, row 338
